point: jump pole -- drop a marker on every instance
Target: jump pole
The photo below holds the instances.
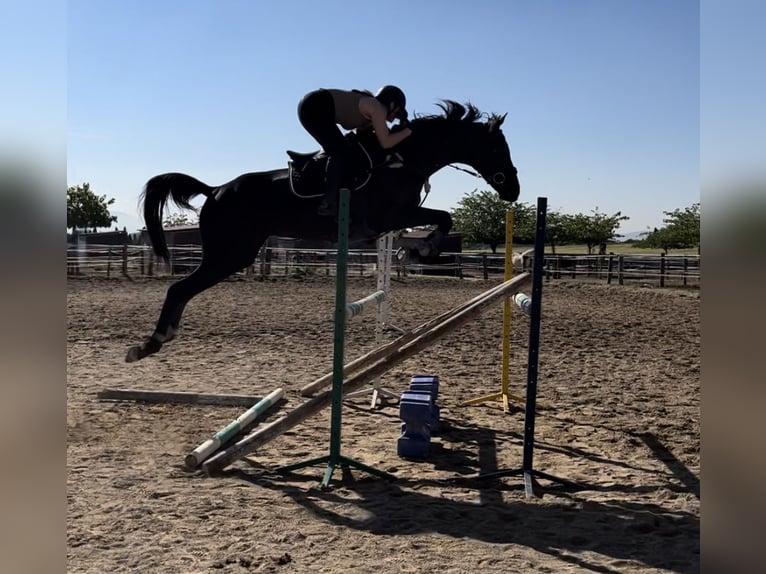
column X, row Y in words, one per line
column 396, row 352
column 387, row 349
column 335, row 459
column 235, row 427
column 504, row 395
column 181, row 398
column 527, row 471
column 385, row 246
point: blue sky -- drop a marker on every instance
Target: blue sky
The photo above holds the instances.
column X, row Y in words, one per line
column 602, row 96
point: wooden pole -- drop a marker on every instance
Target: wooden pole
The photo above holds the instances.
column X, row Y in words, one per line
column 309, row 408
column 376, row 354
column 621, row 270
column 184, row 398
column 235, row 427
column 609, row 271
column 125, row 260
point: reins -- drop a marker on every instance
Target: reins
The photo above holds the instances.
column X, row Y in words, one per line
column 427, row 184
column 473, row 173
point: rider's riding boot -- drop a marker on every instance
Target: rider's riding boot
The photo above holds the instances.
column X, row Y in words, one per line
column 329, row 203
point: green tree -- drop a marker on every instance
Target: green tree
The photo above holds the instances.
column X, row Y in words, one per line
column 480, row 217
column 524, row 222
column 681, row 230
column 558, row 229
column 596, row 229
column 86, row 210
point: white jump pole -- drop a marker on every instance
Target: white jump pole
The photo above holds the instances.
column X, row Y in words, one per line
column 235, row 427
column 385, row 249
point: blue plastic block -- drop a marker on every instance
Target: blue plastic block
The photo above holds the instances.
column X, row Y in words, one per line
column 426, row 382
column 416, row 412
column 420, row 397
column 407, row 447
column 429, row 388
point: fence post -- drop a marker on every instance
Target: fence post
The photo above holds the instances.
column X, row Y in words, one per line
column 686, row 268
column 609, row 271
column 484, row 266
column 125, row 260
column 662, row 269
column 621, row 269
column 108, row 262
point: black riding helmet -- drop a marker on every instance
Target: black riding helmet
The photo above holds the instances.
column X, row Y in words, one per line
column 393, row 97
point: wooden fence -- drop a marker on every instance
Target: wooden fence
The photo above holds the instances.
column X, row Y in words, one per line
column 139, row 261
column 656, row 270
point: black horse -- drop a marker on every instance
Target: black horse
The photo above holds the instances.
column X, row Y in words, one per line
column 237, row 217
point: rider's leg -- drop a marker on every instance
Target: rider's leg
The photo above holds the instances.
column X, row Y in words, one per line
column 316, row 113
column 329, row 204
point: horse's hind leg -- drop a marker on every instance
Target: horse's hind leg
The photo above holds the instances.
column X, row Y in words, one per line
column 178, row 295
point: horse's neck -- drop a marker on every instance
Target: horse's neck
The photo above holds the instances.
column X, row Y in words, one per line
column 432, row 150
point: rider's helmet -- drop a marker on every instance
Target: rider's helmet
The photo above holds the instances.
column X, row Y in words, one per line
column 393, row 98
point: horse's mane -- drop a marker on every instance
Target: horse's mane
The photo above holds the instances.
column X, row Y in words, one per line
column 454, row 112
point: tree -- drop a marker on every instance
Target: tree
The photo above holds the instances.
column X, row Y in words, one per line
column 524, row 222
column 86, row 210
column 480, row 217
column 681, row 230
column 594, row 229
column 558, row 229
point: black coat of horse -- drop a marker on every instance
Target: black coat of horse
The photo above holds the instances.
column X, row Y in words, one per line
column 237, row 217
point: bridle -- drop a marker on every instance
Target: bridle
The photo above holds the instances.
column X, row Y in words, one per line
column 498, row 177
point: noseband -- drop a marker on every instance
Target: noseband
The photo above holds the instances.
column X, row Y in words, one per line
column 497, row 178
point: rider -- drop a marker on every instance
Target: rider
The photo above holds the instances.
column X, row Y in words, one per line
column 321, row 110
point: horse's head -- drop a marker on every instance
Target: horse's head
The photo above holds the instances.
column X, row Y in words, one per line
column 490, row 156
column 458, row 136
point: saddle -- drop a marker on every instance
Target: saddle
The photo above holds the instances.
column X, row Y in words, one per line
column 306, row 171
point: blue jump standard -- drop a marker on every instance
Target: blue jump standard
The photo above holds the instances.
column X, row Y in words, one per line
column 420, row 416
column 527, row 471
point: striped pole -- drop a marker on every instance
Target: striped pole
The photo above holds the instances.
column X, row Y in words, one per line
column 207, row 448
column 357, row 307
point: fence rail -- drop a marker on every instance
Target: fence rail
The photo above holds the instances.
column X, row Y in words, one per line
column 140, row 261
column 661, row 270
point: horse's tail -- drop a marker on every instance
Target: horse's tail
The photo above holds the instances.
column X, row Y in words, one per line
column 177, row 186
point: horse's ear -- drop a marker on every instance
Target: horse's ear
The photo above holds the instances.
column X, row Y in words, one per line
column 496, row 123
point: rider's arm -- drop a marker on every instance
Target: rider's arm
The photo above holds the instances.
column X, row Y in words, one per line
column 376, row 113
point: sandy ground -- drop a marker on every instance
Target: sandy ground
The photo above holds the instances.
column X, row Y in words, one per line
column 619, row 413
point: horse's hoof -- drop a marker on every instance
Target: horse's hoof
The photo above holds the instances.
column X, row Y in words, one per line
column 427, row 249
column 140, row 351
column 134, row 354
